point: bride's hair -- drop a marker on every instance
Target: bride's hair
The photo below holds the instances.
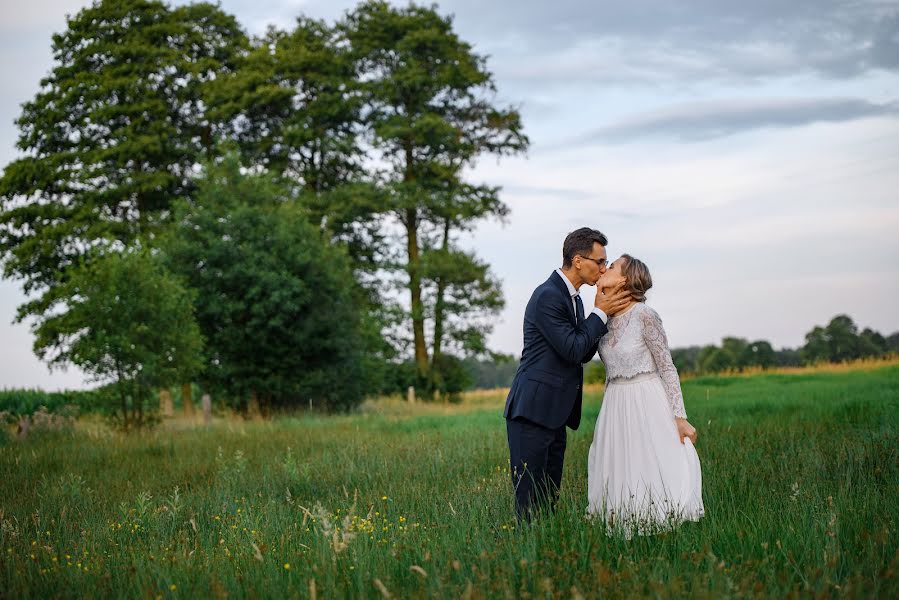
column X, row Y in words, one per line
column 638, row 278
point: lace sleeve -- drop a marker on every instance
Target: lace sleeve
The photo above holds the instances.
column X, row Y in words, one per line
column 657, row 342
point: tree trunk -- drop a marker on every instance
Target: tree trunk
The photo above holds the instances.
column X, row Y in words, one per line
column 165, row 403
column 122, row 396
column 207, row 408
column 187, row 399
column 418, row 317
column 439, row 316
column 138, row 407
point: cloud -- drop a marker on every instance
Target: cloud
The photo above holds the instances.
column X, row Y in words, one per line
column 658, row 41
column 706, row 120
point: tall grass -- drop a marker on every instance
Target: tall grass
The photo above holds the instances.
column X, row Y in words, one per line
column 801, row 474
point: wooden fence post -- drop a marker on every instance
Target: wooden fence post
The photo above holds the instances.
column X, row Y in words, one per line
column 165, row 404
column 187, row 400
column 207, row 408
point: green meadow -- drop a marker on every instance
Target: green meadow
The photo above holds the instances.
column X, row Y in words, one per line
column 801, row 489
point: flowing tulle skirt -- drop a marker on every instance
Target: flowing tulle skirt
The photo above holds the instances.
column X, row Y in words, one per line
column 640, row 478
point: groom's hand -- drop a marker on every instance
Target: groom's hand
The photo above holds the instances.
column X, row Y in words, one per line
column 613, row 301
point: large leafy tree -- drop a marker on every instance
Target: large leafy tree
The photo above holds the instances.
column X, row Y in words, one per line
column 430, row 114
column 112, row 137
column 127, row 322
column 294, row 108
column 274, row 297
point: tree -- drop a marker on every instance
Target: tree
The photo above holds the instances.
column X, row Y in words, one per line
column 842, row 336
column 714, row 360
column 686, row 360
column 293, row 107
column 837, row 342
column 893, row 342
column 736, row 350
column 112, row 137
column 128, row 321
column 789, row 357
column 274, row 297
column 817, row 346
column 497, row 371
column 872, row 344
column 758, row 354
column 429, row 115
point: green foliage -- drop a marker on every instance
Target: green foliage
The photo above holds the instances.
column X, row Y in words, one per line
column 427, row 100
column 452, row 375
column 595, row 372
column 804, row 508
column 497, row 371
column 128, row 321
column 21, row 402
column 111, row 138
column 840, row 341
column 291, row 107
column 363, row 125
column 274, row 297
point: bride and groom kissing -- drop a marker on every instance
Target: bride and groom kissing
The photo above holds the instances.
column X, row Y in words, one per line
column 643, row 473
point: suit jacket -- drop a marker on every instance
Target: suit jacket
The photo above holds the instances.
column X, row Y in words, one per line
column 548, row 386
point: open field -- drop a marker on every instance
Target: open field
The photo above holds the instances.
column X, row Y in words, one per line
column 801, row 474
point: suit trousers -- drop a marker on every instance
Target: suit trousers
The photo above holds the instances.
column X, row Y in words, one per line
column 536, row 455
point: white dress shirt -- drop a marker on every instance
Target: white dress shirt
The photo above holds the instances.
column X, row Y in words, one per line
column 573, row 292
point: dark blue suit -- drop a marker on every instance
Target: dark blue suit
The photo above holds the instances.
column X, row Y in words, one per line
column 547, row 391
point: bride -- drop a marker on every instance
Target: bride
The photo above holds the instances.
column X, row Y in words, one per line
column 643, row 471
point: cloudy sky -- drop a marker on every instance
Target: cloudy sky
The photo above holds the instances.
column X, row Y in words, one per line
column 748, row 152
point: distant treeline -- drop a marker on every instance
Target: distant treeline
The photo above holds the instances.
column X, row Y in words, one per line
column 838, row 341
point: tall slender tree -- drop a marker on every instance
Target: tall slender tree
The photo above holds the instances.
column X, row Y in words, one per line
column 430, row 113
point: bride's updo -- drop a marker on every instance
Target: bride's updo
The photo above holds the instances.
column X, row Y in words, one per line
column 638, row 278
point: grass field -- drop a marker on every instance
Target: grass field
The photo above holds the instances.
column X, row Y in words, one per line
column 801, row 488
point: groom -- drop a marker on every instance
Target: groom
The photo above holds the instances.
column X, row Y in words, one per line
column 547, row 389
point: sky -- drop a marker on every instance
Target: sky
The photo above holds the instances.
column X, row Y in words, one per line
column 747, row 152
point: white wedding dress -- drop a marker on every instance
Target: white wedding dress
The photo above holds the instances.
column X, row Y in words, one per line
column 640, row 478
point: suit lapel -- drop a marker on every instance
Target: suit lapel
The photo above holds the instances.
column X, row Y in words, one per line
column 560, row 285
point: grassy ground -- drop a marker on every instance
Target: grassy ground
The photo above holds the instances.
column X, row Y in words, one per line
column 801, row 480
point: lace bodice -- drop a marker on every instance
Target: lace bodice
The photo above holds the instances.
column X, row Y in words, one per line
column 635, row 344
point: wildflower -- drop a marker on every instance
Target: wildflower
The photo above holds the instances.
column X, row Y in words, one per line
column 173, row 587
column 383, row 497
column 286, row 566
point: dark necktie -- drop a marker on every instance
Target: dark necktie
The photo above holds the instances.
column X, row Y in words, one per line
column 580, row 309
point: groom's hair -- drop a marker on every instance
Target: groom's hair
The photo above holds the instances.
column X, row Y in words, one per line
column 580, row 242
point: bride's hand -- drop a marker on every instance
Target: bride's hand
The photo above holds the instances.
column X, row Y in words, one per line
column 685, row 430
